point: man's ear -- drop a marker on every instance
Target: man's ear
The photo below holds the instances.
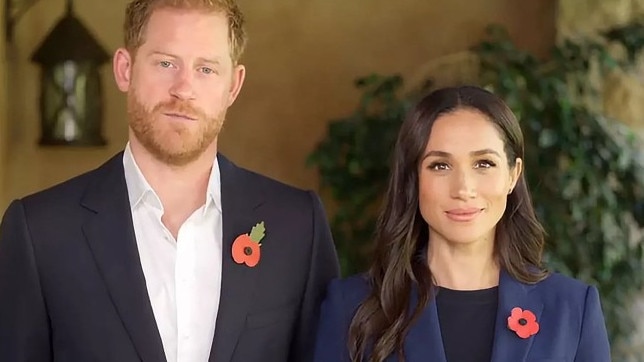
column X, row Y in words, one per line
column 122, row 68
column 239, row 74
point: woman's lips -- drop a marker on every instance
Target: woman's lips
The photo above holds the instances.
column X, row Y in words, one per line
column 463, row 215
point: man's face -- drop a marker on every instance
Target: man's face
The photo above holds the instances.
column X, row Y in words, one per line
column 179, row 83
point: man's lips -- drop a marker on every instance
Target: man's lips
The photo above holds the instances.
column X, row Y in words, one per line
column 179, row 115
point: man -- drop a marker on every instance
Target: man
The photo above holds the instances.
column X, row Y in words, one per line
column 168, row 251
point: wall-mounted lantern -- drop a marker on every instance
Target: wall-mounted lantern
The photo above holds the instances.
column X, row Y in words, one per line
column 71, row 97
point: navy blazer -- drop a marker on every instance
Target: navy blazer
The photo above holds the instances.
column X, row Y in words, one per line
column 569, row 314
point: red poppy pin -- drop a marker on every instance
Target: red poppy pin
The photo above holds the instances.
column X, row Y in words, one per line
column 523, row 322
column 246, row 246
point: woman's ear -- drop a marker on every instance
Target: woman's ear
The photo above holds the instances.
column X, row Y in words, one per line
column 515, row 174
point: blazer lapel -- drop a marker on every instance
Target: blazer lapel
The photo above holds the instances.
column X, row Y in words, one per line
column 508, row 346
column 110, row 234
column 238, row 200
column 424, row 341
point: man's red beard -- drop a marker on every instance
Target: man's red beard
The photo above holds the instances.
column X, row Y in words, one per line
column 175, row 144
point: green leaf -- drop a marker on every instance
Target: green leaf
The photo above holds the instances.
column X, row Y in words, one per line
column 257, row 233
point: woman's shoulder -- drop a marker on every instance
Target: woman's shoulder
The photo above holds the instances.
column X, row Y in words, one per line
column 349, row 291
column 561, row 281
column 559, row 287
column 343, row 298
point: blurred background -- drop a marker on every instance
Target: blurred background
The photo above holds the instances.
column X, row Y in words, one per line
column 328, row 82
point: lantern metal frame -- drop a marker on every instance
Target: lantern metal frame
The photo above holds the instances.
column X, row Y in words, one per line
column 13, row 11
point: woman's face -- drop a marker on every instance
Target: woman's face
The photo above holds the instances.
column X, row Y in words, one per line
column 464, row 178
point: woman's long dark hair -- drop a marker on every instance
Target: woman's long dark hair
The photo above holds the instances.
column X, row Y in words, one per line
column 382, row 321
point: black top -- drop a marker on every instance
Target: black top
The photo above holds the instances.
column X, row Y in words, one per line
column 467, row 321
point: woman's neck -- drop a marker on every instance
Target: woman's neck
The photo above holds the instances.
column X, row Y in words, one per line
column 469, row 266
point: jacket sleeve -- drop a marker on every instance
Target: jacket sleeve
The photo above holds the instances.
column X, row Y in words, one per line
column 593, row 343
column 323, row 267
column 24, row 326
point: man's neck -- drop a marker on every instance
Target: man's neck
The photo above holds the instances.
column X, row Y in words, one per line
column 181, row 189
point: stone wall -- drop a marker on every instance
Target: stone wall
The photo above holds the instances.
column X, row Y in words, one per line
column 624, row 92
column 623, row 97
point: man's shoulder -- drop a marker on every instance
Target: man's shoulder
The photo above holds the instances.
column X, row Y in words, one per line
column 70, row 190
column 267, row 181
column 267, row 185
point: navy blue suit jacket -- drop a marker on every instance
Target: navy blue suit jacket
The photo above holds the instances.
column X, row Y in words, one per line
column 72, row 288
column 569, row 314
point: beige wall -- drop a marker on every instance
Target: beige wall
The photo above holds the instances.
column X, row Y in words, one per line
column 302, row 59
column 3, row 111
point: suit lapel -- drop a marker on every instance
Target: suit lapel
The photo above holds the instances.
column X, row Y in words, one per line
column 110, row 234
column 508, row 346
column 239, row 201
column 424, row 341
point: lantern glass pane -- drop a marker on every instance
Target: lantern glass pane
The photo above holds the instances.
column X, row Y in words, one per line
column 71, row 104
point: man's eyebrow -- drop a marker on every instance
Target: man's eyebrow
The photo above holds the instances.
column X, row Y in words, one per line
column 215, row 60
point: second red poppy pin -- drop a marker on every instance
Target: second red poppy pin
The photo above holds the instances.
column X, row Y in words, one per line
column 523, row 322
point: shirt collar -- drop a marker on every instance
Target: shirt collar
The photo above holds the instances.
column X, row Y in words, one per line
column 139, row 190
column 213, row 193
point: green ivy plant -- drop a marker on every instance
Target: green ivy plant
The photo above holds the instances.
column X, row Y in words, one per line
column 584, row 169
column 353, row 164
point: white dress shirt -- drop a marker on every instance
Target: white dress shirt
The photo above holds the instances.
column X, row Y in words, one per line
column 183, row 276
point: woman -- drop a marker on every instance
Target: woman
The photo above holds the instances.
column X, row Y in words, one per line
column 457, row 274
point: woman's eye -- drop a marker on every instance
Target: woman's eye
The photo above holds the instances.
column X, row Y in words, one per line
column 485, row 164
column 438, row 166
